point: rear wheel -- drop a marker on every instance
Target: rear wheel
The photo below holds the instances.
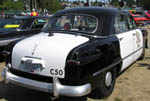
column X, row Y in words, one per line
column 106, row 85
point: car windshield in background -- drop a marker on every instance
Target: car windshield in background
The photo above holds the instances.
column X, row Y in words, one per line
column 81, row 23
column 10, row 23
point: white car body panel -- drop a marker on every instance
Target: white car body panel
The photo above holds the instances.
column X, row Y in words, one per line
column 51, row 49
column 128, row 47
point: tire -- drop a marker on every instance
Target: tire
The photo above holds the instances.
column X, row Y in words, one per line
column 143, row 55
column 105, row 89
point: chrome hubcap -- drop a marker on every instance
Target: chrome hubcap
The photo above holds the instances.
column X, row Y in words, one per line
column 108, row 79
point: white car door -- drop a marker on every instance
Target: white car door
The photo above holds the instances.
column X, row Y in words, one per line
column 126, row 40
column 137, row 38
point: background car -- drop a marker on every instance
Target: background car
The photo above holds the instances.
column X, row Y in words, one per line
column 15, row 28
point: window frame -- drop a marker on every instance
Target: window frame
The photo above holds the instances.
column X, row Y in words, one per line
column 134, row 24
column 121, row 14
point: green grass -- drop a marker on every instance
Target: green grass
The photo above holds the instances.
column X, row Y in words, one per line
column 105, row 98
column 119, row 81
column 126, row 78
column 117, row 99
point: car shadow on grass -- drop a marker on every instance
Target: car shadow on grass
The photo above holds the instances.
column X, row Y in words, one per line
column 11, row 92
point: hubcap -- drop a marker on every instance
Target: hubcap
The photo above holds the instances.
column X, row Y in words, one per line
column 108, row 79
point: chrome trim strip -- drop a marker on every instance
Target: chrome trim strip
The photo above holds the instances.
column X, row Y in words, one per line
column 132, row 53
column 7, row 41
column 56, row 87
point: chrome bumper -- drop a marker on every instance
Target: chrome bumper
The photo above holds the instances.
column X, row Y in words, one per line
column 56, row 87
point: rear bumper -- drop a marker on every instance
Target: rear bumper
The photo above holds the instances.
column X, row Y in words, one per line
column 56, row 88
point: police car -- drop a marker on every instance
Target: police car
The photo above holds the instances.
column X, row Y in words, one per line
column 80, row 52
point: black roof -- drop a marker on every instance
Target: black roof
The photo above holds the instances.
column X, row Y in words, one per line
column 90, row 10
column 105, row 16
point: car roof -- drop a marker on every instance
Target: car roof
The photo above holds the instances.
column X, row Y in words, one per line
column 104, row 16
column 91, row 10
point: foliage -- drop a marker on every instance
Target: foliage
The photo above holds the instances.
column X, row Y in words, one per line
column 129, row 3
column 54, row 6
column 51, row 5
column 96, row 3
column 75, row 3
column 11, row 5
column 146, row 4
column 1, row 1
column 114, row 3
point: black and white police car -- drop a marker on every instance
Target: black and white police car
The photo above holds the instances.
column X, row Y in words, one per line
column 80, row 52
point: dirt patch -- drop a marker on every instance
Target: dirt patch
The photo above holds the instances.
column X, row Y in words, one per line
column 132, row 85
column 1, row 68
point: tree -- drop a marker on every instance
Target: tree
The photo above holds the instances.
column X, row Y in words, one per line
column 115, row 3
column 1, row 1
column 130, row 3
column 75, row 3
column 54, row 6
column 96, row 3
column 51, row 5
column 10, row 5
column 139, row 3
column 146, row 4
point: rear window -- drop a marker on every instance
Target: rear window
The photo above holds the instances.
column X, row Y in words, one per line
column 82, row 23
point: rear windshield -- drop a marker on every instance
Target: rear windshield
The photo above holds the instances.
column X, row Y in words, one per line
column 81, row 23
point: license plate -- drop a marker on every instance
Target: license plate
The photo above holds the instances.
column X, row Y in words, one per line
column 33, row 68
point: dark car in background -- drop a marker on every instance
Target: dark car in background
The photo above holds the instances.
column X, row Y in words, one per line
column 15, row 28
